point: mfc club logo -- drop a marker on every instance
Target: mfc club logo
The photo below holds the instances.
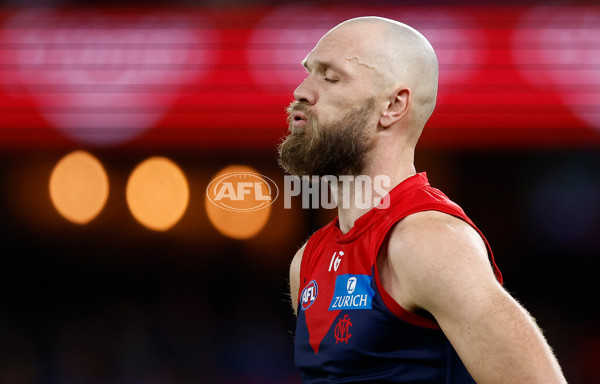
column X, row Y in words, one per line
column 242, row 191
column 309, row 295
column 342, row 330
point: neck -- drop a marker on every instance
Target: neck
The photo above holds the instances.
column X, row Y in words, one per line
column 384, row 172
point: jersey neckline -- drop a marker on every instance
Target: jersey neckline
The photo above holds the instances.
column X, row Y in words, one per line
column 374, row 215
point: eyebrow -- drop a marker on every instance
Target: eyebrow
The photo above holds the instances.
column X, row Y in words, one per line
column 323, row 65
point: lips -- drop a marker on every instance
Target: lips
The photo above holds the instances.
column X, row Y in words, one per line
column 299, row 117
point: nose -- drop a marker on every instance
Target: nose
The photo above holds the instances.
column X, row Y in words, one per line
column 305, row 92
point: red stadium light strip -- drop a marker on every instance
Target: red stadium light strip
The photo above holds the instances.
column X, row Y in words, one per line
column 510, row 76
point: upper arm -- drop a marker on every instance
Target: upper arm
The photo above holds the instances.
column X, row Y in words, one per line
column 295, row 277
column 443, row 267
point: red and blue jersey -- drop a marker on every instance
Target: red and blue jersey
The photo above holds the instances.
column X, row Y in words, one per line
column 349, row 329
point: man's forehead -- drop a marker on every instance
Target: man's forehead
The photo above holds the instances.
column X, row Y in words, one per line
column 342, row 56
column 338, row 40
column 332, row 51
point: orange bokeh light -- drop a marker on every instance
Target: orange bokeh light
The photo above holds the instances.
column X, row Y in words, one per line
column 157, row 193
column 238, row 201
column 79, row 187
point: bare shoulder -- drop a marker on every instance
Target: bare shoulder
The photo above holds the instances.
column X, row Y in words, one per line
column 433, row 228
column 439, row 263
column 435, row 237
column 295, row 277
column 433, row 252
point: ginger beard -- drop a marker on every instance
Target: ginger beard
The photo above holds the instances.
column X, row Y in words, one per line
column 336, row 148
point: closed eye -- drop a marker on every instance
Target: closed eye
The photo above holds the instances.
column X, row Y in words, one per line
column 331, row 80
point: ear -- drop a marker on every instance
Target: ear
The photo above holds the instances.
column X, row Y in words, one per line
column 397, row 108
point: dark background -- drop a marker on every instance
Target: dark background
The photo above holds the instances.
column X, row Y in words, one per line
column 117, row 305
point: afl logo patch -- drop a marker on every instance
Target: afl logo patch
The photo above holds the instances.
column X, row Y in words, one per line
column 309, row 295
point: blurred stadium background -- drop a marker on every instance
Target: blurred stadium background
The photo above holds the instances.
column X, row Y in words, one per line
column 103, row 294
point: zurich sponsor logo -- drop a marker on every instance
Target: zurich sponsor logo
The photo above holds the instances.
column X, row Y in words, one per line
column 309, row 295
column 351, row 285
column 352, row 292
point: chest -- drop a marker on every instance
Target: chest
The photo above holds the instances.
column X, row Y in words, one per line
column 344, row 327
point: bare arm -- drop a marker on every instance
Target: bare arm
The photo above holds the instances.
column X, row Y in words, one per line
column 439, row 263
column 295, row 277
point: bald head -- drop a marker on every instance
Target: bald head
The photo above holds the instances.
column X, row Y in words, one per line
column 399, row 56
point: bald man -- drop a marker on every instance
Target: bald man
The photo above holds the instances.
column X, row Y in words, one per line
column 407, row 291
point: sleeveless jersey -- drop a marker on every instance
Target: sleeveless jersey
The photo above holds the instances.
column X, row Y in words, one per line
column 349, row 329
